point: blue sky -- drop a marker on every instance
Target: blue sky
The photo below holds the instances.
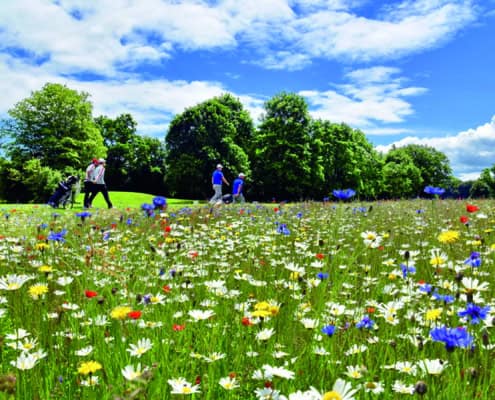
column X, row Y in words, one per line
column 401, row 71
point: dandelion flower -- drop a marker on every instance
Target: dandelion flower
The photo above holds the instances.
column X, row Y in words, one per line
column 120, row 312
column 448, row 237
column 89, row 367
column 38, row 290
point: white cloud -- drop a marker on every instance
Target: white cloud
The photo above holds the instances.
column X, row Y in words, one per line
column 334, row 34
column 469, row 151
column 115, row 32
column 374, row 95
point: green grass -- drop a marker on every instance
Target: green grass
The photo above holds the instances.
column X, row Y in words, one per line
column 120, row 200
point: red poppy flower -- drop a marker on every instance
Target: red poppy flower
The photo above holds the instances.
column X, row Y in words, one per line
column 232, row 375
column 464, row 219
column 134, row 314
column 370, row 310
column 90, row 293
column 193, row 254
column 471, row 208
column 246, row 321
column 197, row 381
column 320, row 256
column 166, row 288
column 276, row 209
column 113, row 225
column 168, row 228
column 177, row 327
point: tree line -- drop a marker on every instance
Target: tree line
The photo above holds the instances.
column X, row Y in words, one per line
column 287, row 156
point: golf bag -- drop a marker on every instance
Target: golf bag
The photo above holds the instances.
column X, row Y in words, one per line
column 227, row 198
column 63, row 194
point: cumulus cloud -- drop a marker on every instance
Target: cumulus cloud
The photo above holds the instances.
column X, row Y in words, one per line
column 98, row 36
column 469, row 151
column 373, row 95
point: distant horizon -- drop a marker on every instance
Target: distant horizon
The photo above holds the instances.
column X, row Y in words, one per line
column 402, row 72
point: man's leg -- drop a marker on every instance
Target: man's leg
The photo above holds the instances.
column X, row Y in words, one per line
column 218, row 194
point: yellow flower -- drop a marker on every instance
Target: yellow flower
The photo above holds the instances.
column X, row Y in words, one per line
column 41, row 246
column 448, row 237
column 45, row 268
column 437, row 261
column 89, row 367
column 294, row 276
column 434, row 314
column 38, row 290
column 120, row 312
column 492, row 246
column 265, row 309
column 333, row 395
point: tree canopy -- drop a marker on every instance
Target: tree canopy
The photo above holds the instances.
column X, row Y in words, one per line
column 54, row 125
column 215, row 131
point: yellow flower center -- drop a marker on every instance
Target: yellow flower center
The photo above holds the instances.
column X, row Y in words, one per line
column 333, row 395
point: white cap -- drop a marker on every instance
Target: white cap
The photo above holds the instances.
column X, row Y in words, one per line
column 241, row 175
column 219, row 166
column 101, row 160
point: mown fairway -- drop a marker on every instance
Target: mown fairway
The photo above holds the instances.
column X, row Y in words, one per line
column 259, row 301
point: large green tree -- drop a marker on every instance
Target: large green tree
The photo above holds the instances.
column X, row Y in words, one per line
column 134, row 162
column 281, row 150
column 343, row 158
column 434, row 165
column 54, row 125
column 215, row 131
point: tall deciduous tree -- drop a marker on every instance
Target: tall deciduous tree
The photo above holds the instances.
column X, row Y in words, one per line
column 134, row 162
column 215, row 131
column 281, row 152
column 433, row 164
column 54, row 125
column 343, row 158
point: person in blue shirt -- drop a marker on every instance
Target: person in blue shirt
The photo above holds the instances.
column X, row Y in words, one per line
column 217, row 179
column 238, row 188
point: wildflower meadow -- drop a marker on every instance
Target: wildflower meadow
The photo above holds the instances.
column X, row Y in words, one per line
column 320, row 300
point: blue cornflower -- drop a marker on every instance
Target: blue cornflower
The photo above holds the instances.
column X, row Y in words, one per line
column 129, row 221
column 427, row 288
column 474, row 259
column 147, row 298
column 446, row 298
column 299, row 215
column 57, row 236
column 366, row 323
column 43, row 225
column 474, row 312
column 282, row 228
column 322, row 275
column 420, row 211
column 326, row 199
column 328, row 330
column 148, row 209
column 434, row 190
column 407, row 270
column 452, row 337
column 343, row 194
column 83, row 215
column 159, row 201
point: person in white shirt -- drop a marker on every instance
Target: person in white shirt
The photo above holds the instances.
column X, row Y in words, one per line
column 88, row 182
column 99, row 183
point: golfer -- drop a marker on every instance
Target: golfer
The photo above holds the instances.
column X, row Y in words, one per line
column 237, row 188
column 217, row 179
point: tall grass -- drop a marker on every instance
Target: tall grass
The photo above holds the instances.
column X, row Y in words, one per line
column 274, row 300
